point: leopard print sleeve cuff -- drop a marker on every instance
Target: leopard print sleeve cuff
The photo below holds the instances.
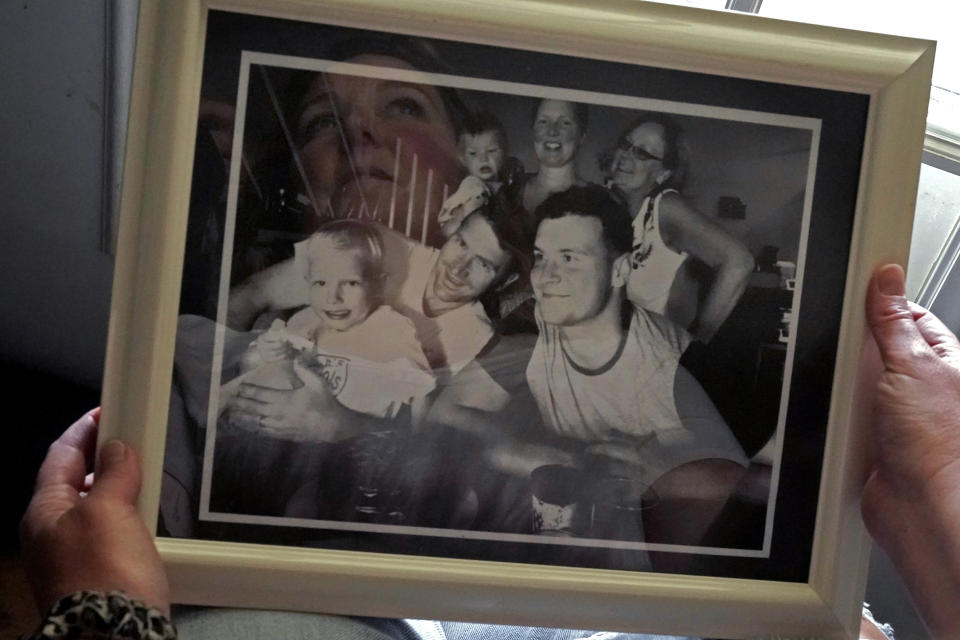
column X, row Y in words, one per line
column 94, row 614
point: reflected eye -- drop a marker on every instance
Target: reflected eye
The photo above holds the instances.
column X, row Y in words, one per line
column 316, row 119
column 319, row 283
column 407, row 106
column 316, row 126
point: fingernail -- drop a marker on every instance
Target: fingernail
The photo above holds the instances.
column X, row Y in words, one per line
column 890, row 280
column 113, row 452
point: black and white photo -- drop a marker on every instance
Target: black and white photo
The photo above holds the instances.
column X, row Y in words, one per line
column 515, row 320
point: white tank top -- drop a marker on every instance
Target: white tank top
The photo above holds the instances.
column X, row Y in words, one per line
column 653, row 264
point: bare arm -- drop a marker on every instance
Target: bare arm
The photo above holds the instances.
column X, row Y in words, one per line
column 686, row 230
column 475, row 404
column 688, row 499
column 684, row 502
column 505, row 450
column 279, row 286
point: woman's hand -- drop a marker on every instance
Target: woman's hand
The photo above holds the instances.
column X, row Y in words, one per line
column 82, row 532
column 911, row 502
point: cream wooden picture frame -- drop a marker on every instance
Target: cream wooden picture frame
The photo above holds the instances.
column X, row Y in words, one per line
column 893, row 72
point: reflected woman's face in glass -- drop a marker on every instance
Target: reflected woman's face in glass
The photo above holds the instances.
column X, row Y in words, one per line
column 369, row 146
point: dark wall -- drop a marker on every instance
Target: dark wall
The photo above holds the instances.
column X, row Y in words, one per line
column 55, row 281
column 54, row 278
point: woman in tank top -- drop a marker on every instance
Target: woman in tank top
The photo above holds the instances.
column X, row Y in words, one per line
column 669, row 234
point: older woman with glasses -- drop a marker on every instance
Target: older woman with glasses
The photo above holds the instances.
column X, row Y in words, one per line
column 646, row 167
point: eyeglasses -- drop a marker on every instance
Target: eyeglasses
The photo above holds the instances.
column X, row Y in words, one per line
column 638, row 153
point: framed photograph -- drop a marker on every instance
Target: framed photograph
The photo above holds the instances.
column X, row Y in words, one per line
column 545, row 314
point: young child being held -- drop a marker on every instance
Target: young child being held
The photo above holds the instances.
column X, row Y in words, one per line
column 482, row 150
column 361, row 351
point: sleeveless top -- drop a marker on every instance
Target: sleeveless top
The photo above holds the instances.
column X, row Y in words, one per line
column 653, row 264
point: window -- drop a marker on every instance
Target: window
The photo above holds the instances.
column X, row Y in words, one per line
column 935, row 246
column 929, row 19
column 932, row 258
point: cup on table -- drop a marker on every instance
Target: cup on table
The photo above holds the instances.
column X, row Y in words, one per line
column 556, row 492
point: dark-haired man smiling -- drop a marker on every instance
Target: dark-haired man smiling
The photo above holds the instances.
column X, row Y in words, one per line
column 608, row 374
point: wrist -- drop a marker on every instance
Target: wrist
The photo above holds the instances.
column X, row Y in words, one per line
column 920, row 532
column 97, row 614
